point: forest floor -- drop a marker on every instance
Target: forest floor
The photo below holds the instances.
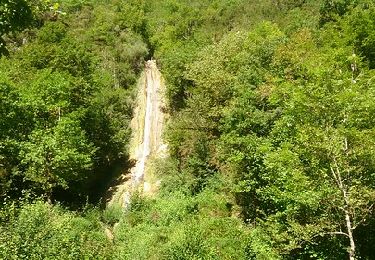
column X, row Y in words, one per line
column 146, row 143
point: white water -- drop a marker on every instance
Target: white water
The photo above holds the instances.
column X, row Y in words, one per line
column 151, row 89
column 152, row 122
column 147, row 127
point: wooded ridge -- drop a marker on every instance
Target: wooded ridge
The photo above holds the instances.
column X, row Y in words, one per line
column 270, row 132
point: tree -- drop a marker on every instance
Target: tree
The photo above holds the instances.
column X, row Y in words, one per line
column 345, row 152
column 329, row 125
column 13, row 127
column 57, row 156
column 14, row 15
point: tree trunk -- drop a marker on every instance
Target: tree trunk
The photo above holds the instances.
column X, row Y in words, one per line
column 347, row 207
column 348, row 221
column 350, row 235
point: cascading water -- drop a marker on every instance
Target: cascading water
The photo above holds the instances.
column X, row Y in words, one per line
column 147, row 127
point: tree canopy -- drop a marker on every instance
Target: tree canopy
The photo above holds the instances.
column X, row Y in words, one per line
column 270, row 130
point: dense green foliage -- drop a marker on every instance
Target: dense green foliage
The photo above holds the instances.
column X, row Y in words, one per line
column 66, row 101
column 281, row 109
column 41, row 231
column 271, row 132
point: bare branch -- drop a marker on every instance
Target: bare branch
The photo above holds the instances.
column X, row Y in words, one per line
column 346, row 144
column 335, row 176
column 333, row 233
column 337, row 233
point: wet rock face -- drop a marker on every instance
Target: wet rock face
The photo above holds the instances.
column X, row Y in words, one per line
column 152, row 123
column 147, row 125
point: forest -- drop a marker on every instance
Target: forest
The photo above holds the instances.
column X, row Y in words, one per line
column 270, row 133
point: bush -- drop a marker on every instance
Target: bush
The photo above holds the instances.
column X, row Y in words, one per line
column 42, row 231
column 112, row 214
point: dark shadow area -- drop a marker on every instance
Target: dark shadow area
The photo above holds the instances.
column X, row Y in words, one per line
column 365, row 238
column 96, row 189
column 120, row 177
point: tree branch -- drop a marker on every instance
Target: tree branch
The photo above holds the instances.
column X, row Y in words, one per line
column 336, row 233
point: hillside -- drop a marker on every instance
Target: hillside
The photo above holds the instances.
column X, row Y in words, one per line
column 165, row 129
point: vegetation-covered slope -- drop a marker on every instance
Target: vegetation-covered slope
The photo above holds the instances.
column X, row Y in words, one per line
column 271, row 135
column 66, row 98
